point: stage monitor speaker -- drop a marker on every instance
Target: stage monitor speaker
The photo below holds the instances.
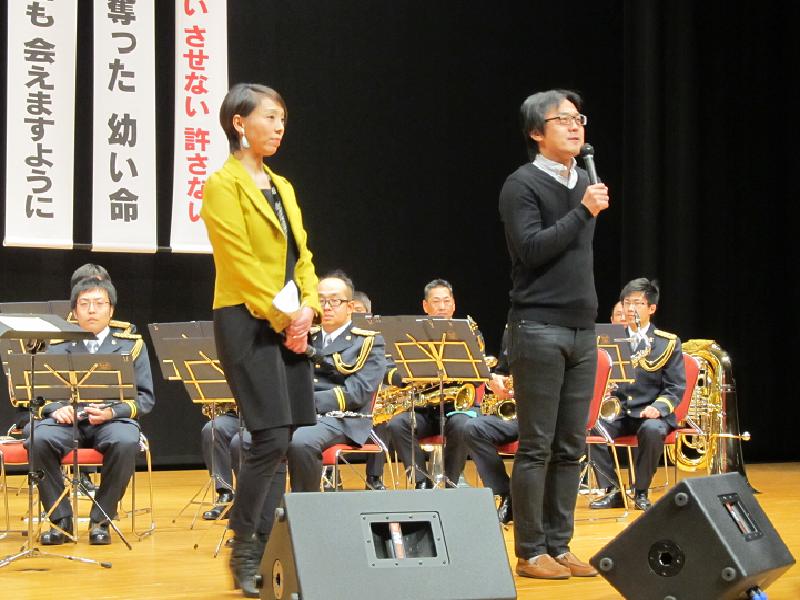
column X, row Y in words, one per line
column 392, row 545
column 706, row 538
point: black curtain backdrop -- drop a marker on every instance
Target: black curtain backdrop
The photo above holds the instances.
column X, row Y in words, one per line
column 403, row 126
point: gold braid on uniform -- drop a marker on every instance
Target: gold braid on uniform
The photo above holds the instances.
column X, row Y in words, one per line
column 135, row 351
column 366, row 348
column 661, row 360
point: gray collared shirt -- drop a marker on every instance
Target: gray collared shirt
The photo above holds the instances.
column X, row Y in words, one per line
column 567, row 177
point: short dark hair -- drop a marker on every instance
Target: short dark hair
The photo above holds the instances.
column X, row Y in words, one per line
column 364, row 299
column 92, row 283
column 242, row 99
column 642, row 284
column 533, row 112
column 434, row 283
column 341, row 275
column 86, row 271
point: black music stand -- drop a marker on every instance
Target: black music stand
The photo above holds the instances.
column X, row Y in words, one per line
column 431, row 350
column 36, row 330
column 80, row 378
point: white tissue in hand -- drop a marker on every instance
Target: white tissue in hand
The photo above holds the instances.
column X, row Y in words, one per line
column 287, row 300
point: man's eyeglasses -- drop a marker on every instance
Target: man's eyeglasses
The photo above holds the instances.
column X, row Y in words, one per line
column 567, row 120
column 634, row 302
column 98, row 304
column 332, row 302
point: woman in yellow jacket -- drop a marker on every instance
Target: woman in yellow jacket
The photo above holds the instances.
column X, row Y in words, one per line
column 256, row 232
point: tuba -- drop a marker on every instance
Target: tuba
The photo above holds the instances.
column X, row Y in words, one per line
column 713, row 409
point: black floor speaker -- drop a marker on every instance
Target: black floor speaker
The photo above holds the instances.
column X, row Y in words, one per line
column 707, row 538
column 393, row 545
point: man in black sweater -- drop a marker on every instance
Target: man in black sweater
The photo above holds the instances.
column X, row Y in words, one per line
column 548, row 209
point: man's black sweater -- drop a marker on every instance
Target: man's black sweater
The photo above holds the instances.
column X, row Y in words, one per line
column 549, row 235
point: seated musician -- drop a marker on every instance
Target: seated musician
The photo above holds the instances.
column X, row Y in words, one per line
column 648, row 404
column 438, row 302
column 112, row 430
column 618, row 315
column 349, row 365
column 484, row 434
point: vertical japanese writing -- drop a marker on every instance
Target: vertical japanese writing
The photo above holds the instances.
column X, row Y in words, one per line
column 123, row 202
column 39, row 55
column 195, row 89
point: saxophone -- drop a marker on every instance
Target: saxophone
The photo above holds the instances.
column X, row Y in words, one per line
column 505, row 408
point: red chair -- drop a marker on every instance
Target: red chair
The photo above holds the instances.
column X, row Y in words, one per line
column 692, row 369
column 15, row 454
column 337, row 454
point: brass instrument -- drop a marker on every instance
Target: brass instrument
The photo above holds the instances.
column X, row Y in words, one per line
column 212, row 410
column 462, row 396
column 505, row 408
column 391, row 401
column 713, row 410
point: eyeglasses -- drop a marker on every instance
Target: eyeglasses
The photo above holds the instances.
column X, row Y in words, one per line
column 99, row 304
column 332, row 302
column 634, row 302
column 566, row 119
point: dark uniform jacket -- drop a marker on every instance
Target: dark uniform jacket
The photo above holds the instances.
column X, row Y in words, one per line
column 347, row 374
column 660, row 378
column 115, row 342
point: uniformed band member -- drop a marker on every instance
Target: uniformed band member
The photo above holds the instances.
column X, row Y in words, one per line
column 112, row 430
column 484, row 434
column 648, row 404
column 349, row 364
column 438, row 302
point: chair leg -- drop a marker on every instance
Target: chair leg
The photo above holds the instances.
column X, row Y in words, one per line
column 619, row 475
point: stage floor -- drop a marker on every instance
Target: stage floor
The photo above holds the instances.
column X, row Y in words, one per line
column 177, row 562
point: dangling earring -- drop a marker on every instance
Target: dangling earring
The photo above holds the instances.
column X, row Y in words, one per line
column 243, row 142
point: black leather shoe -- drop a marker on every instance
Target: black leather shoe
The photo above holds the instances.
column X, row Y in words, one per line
column 424, row 484
column 613, row 499
column 374, row 483
column 641, row 501
column 504, row 511
column 54, row 537
column 99, row 535
column 223, row 500
column 87, row 487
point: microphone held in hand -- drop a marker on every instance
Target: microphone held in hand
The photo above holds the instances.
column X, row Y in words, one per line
column 587, row 154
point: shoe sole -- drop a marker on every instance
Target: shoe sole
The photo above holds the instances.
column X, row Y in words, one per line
column 523, row 574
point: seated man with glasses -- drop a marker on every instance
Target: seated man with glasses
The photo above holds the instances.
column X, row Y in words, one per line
column 112, row 430
column 438, row 301
column 648, row 404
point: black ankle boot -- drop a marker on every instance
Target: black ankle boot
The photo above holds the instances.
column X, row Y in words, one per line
column 245, row 562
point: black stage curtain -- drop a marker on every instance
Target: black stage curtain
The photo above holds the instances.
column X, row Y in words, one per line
column 403, row 125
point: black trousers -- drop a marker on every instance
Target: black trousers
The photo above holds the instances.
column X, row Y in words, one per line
column 261, row 482
column 118, row 441
column 482, row 436
column 650, row 434
column 554, row 370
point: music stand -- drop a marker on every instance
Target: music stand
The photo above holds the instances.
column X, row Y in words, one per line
column 431, row 350
column 36, row 330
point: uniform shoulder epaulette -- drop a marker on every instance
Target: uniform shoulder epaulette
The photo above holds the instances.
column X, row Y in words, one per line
column 126, row 326
column 359, row 331
column 315, row 329
column 126, row 335
column 665, row 334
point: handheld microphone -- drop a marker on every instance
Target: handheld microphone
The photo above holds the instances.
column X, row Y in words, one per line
column 587, row 154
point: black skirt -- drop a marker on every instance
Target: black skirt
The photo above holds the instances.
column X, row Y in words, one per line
column 272, row 386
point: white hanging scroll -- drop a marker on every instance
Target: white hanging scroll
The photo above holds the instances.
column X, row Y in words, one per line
column 124, row 148
column 201, row 81
column 40, row 123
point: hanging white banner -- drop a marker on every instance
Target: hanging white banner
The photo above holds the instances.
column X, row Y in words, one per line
column 201, row 81
column 40, row 123
column 124, row 121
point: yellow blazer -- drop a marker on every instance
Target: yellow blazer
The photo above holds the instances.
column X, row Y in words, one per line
column 250, row 246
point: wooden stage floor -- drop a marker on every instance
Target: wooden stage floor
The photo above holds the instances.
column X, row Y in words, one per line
column 178, row 563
